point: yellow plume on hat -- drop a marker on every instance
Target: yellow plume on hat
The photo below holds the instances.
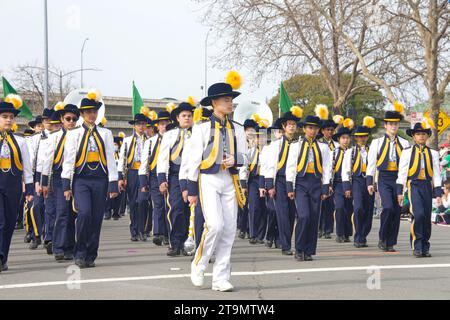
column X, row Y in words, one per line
column 145, row 111
column 59, row 106
column 198, row 113
column 255, row 117
column 94, row 94
column 338, row 119
column 170, row 107
column 263, row 123
column 152, row 115
column 297, row 111
column 369, row 122
column 15, row 100
column 234, row 79
column 321, row 111
column 427, row 123
column 191, row 101
column 14, row 127
column 103, row 121
column 398, row 106
column 348, row 123
column 122, row 134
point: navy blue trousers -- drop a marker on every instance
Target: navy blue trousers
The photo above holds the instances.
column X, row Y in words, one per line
column 90, row 201
column 159, row 207
column 344, row 211
column 242, row 222
column 390, row 216
column 136, row 221
column 148, row 215
column 64, row 228
column 257, row 210
column 285, row 209
column 363, row 204
column 50, row 215
column 37, row 215
column 420, row 196
column 142, row 209
column 199, row 224
column 272, row 227
column 326, row 221
column 308, row 190
column 178, row 214
column 10, row 193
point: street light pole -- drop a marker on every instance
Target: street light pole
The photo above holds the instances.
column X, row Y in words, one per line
column 82, row 49
column 206, row 62
column 45, row 56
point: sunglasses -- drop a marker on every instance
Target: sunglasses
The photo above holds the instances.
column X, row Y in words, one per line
column 71, row 119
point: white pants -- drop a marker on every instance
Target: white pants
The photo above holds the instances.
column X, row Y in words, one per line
column 219, row 206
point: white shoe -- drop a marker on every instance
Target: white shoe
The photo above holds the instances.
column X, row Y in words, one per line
column 197, row 277
column 222, row 286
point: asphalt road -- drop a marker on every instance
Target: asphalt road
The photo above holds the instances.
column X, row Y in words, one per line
column 130, row 270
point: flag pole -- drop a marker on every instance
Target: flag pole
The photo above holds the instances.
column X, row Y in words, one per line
column 45, row 56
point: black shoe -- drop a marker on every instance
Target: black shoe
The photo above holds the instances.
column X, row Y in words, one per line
column 107, row 217
column 27, row 238
column 259, row 241
column 339, row 239
column 320, row 235
column 286, row 253
column 426, row 254
column 115, row 218
column 68, row 258
column 59, row 257
column 90, row 264
column 35, row 244
column 357, row 245
column 4, row 267
column 299, row 256
column 80, row 263
column 134, row 238
column 390, row 249
column 157, row 240
column 417, row 253
column 347, row 239
column 327, row 236
column 308, row 258
column 241, row 235
column 49, row 248
column 173, row 252
column 277, row 245
column 252, row 241
column 382, row 245
column 166, row 241
column 269, row 244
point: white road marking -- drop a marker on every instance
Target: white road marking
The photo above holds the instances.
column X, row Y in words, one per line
column 241, row 273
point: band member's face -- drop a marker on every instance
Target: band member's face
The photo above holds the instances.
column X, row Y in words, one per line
column 361, row 140
column 140, row 127
column 344, row 140
column 223, row 105
column 151, row 131
column 328, row 132
column 89, row 116
column 290, row 127
column 185, row 119
column 47, row 125
column 69, row 120
column 420, row 138
column 250, row 133
column 6, row 120
column 39, row 127
column 310, row 131
column 278, row 133
column 391, row 127
column 162, row 126
column 55, row 127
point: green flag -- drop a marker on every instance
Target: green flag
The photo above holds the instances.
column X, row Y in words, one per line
column 24, row 110
column 137, row 101
column 285, row 103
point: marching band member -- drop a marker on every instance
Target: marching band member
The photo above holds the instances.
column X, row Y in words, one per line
column 217, row 150
column 276, row 178
column 63, row 239
column 384, row 156
column 327, row 129
column 148, row 180
column 88, row 165
column 342, row 201
column 308, row 172
column 419, row 170
column 36, row 124
column 354, row 168
column 130, row 161
column 168, row 170
column 15, row 168
column 115, row 202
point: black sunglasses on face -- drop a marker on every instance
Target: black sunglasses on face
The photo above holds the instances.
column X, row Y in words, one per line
column 71, row 119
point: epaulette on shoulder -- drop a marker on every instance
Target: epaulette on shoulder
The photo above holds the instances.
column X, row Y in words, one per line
column 74, row 128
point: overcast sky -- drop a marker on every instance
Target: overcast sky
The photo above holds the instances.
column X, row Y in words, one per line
column 158, row 44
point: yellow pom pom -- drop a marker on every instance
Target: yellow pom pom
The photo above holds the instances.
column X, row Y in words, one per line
column 348, row 123
column 369, row 122
column 191, row 101
column 338, row 119
column 122, row 134
column 14, row 127
column 94, row 94
column 145, row 111
column 234, row 79
column 104, row 121
column 427, row 123
column 297, row 111
column 321, row 111
column 15, row 100
column 59, row 106
column 263, row 123
column 399, row 107
column 198, row 113
column 255, row 117
column 170, row 107
column 153, row 115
